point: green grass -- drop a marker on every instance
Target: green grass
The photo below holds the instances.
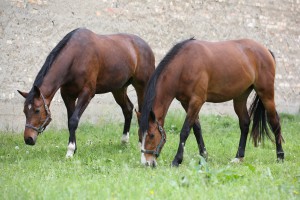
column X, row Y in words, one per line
column 103, row 168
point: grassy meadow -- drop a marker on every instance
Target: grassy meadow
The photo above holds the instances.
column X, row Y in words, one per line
column 103, row 168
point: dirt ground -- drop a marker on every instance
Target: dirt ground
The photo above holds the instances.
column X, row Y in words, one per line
column 29, row 30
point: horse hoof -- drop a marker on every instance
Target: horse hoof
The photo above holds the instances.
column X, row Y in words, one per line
column 71, row 150
column 175, row 163
column 125, row 138
column 204, row 155
column 280, row 160
column 69, row 155
column 280, row 156
column 152, row 164
column 237, row 160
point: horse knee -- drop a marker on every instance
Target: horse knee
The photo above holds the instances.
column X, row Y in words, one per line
column 73, row 123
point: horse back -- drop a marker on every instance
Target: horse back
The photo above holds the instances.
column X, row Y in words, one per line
column 221, row 71
column 108, row 62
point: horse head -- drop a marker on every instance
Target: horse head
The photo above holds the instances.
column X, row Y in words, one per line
column 153, row 141
column 37, row 114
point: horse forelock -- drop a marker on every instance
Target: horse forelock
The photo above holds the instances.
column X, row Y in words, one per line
column 48, row 63
column 151, row 87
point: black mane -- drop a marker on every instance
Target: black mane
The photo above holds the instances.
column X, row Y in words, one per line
column 150, row 90
column 48, row 63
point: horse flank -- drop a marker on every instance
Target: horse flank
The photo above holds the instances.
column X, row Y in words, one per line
column 150, row 90
column 48, row 63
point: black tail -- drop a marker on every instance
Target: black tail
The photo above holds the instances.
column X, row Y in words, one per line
column 260, row 127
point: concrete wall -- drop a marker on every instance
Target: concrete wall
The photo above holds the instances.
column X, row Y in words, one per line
column 29, row 30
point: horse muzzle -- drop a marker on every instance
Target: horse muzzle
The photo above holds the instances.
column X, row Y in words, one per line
column 30, row 140
column 150, row 161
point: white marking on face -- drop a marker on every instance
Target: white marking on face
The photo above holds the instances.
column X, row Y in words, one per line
column 71, row 150
column 143, row 158
column 143, row 141
column 29, row 106
column 125, row 138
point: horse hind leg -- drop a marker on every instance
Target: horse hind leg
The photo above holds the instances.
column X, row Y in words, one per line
column 273, row 119
column 127, row 108
column 240, row 108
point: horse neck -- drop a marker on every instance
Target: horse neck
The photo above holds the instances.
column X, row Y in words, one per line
column 51, row 83
column 162, row 101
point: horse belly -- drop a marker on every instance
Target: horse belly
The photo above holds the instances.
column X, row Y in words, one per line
column 111, row 83
column 229, row 82
column 226, row 92
column 109, row 87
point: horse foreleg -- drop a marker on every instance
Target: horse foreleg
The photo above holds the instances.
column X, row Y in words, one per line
column 70, row 105
column 139, row 88
column 198, row 135
column 82, row 102
column 184, row 134
column 192, row 113
column 127, row 108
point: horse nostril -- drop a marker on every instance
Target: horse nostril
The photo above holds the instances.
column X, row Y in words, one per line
column 29, row 141
column 154, row 163
column 151, row 164
column 147, row 164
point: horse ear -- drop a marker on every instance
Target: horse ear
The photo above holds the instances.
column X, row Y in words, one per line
column 37, row 92
column 24, row 94
column 152, row 116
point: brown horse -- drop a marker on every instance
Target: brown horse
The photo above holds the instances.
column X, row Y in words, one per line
column 195, row 72
column 84, row 64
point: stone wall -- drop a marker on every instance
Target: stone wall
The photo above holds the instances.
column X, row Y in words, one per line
column 29, row 30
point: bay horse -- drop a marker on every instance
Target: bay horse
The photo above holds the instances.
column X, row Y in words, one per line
column 84, row 64
column 195, row 72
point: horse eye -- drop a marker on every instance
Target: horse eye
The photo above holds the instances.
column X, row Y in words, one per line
column 37, row 111
column 151, row 135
